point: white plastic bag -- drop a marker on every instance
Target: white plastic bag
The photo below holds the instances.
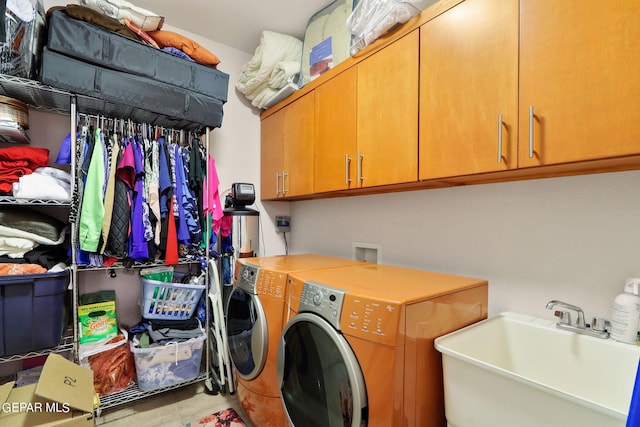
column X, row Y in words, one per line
column 372, row 18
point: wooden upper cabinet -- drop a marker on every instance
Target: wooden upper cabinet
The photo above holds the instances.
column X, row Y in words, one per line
column 469, row 89
column 271, row 155
column 335, row 133
column 387, row 114
column 488, row 89
column 298, row 147
column 579, row 80
column 287, row 150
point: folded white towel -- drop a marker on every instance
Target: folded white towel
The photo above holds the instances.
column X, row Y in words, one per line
column 59, row 174
column 16, row 247
column 44, row 183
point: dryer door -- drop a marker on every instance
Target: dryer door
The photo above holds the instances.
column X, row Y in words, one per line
column 321, row 383
column 247, row 333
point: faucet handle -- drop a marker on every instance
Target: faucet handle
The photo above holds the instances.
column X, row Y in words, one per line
column 600, row 324
column 564, row 317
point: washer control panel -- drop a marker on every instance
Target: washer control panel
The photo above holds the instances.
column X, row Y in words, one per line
column 323, row 300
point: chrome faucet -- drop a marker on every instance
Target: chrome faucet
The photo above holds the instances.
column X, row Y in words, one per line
column 598, row 327
column 563, row 316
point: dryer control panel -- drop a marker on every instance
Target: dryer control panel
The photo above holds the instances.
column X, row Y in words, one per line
column 271, row 283
column 323, row 300
column 372, row 319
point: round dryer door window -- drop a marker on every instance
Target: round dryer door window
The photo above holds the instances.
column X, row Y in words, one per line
column 321, row 383
column 246, row 333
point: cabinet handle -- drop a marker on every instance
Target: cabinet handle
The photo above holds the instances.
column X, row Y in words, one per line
column 277, row 183
column 531, row 131
column 284, row 185
column 360, row 157
column 499, row 138
column 347, row 162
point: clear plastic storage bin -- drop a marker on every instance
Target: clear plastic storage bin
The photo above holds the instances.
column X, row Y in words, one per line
column 167, row 365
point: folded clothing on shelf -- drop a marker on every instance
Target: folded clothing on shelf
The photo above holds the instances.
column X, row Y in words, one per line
column 45, row 183
column 17, row 161
column 23, row 229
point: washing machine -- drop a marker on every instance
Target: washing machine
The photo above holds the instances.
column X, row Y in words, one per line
column 358, row 348
column 255, row 316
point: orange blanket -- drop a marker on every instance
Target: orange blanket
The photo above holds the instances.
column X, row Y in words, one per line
column 9, row 269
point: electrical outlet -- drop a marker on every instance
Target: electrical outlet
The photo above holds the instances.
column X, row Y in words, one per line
column 370, row 252
column 282, row 223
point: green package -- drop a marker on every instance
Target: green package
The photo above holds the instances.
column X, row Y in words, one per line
column 97, row 317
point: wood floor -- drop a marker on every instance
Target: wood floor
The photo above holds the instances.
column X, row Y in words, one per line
column 174, row 408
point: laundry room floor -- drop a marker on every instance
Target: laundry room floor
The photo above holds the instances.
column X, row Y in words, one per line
column 176, row 408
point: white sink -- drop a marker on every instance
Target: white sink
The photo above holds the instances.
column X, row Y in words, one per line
column 518, row 370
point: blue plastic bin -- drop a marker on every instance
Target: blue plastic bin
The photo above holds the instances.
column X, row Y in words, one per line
column 32, row 315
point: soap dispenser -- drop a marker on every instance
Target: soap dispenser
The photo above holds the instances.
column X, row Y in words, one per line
column 626, row 313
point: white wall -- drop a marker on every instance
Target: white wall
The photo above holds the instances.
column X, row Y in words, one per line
column 573, row 239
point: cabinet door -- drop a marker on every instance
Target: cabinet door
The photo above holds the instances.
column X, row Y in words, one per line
column 271, row 155
column 334, row 149
column 298, row 147
column 469, row 89
column 387, row 122
column 579, row 80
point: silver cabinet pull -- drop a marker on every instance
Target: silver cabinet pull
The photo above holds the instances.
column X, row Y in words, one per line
column 284, row 185
column 499, row 138
column 277, row 183
column 360, row 157
column 347, row 162
column 531, row 131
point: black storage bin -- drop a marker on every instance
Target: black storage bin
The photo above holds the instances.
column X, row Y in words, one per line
column 129, row 90
column 32, row 312
column 92, row 43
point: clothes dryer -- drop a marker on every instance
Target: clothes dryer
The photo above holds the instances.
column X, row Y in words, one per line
column 358, row 348
column 255, row 317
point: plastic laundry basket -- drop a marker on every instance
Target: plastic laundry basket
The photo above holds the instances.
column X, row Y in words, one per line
column 171, row 301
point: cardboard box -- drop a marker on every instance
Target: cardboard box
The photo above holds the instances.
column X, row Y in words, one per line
column 63, row 396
